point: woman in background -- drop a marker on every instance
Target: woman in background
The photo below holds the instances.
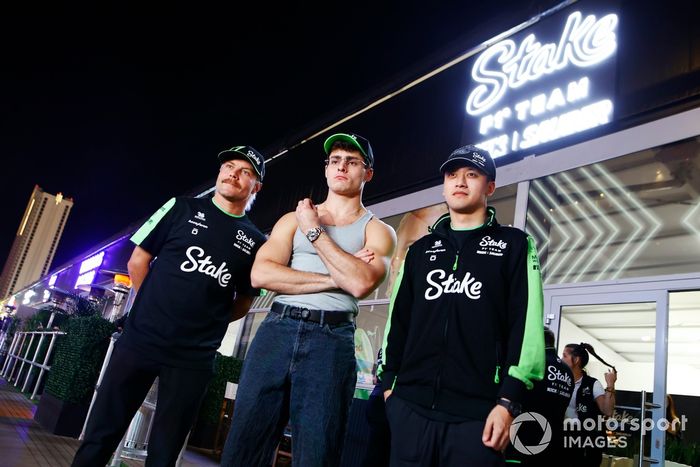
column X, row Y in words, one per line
column 674, row 422
column 590, row 401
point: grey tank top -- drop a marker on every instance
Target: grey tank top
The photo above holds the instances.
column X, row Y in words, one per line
column 350, row 238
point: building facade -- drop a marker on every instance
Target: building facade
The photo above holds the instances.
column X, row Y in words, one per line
column 35, row 243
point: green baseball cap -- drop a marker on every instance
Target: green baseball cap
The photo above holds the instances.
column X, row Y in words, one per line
column 356, row 140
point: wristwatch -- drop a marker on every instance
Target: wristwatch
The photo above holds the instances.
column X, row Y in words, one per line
column 513, row 408
column 314, row 233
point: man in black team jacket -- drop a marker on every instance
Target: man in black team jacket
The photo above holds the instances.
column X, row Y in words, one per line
column 464, row 336
column 548, row 398
column 191, row 267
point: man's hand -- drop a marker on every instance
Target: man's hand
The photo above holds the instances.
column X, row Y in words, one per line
column 307, row 215
column 365, row 255
column 241, row 305
column 387, row 393
column 496, row 431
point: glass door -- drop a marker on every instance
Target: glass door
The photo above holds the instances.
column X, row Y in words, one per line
column 627, row 330
column 683, row 380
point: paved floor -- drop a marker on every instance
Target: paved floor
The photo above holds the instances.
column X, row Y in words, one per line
column 24, row 443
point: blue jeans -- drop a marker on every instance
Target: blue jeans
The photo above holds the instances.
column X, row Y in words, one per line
column 297, row 371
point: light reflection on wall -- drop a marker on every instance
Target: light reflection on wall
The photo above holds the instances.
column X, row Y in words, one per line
column 633, row 216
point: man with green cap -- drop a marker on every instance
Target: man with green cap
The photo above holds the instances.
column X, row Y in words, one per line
column 300, row 367
column 191, row 267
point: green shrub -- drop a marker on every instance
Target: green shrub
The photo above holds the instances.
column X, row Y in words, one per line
column 79, row 357
column 225, row 369
column 688, row 453
column 81, row 306
column 677, row 450
column 36, row 322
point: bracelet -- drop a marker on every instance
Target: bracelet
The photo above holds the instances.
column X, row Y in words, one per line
column 610, row 390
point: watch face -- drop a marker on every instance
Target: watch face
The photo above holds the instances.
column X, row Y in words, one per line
column 313, row 234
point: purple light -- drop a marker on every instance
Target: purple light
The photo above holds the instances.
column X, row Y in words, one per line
column 85, row 278
column 93, row 262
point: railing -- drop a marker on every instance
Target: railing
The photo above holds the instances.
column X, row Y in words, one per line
column 3, row 342
column 19, row 353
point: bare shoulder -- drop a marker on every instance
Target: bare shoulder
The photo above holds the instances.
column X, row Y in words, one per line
column 285, row 226
column 380, row 237
column 377, row 227
column 278, row 246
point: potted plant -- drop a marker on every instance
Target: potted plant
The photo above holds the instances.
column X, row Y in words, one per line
column 76, row 366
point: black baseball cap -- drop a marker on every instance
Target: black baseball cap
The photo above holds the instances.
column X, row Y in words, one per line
column 356, row 140
column 245, row 152
column 471, row 156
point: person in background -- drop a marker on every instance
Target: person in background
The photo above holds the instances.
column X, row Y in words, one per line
column 590, row 401
column 674, row 421
column 548, row 398
column 301, row 364
column 464, row 339
column 191, row 266
column 413, row 225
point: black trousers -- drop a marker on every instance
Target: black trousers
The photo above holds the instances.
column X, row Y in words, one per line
column 379, row 446
column 417, row 441
column 125, row 385
column 584, row 457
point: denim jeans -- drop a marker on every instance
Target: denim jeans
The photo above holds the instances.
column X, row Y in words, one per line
column 298, row 371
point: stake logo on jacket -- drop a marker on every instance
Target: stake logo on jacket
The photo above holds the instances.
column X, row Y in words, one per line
column 469, row 286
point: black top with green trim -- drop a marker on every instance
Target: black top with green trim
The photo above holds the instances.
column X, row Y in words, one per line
column 465, row 323
column 549, row 398
column 587, row 409
column 203, row 256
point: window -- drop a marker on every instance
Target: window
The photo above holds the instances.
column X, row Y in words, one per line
column 633, row 216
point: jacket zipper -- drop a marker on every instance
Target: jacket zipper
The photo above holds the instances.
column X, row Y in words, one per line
column 436, row 387
column 497, row 375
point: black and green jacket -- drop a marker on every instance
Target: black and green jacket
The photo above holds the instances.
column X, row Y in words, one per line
column 465, row 326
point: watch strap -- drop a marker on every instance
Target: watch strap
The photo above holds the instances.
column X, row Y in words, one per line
column 313, row 234
column 513, row 408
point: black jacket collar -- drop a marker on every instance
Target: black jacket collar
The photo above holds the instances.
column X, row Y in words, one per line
column 442, row 225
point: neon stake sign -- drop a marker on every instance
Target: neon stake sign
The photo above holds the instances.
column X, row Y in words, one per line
column 509, row 118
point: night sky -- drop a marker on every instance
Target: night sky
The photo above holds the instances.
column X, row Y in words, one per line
column 123, row 109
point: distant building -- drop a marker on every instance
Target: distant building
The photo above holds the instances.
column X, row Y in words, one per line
column 36, row 241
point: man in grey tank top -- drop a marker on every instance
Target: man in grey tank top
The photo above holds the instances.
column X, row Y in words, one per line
column 300, row 367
